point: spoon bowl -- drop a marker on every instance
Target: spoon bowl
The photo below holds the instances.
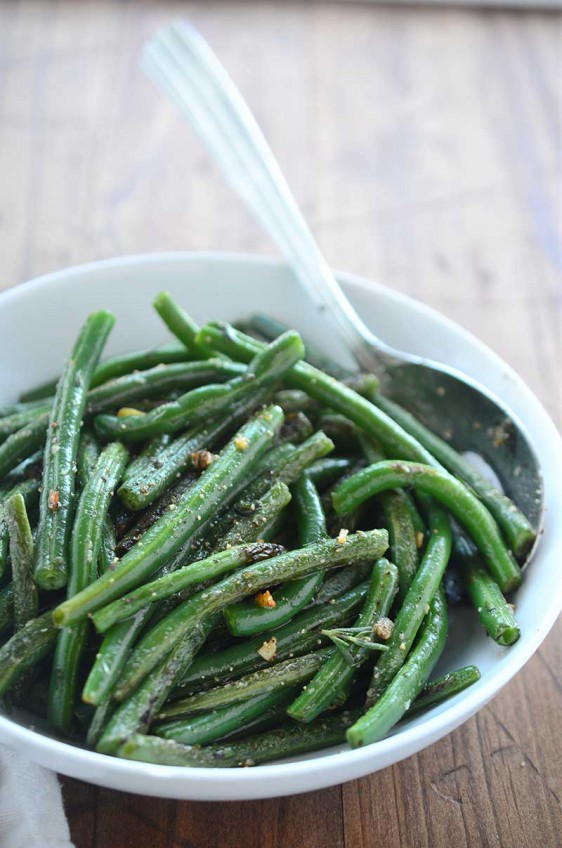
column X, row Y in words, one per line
column 463, row 413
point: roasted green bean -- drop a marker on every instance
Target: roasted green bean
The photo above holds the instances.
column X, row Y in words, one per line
column 191, row 575
column 26, row 599
column 248, row 617
column 287, row 673
column 516, row 527
column 495, row 613
column 404, row 688
column 331, row 684
column 26, row 648
column 85, row 548
column 256, row 712
column 453, row 494
column 219, row 484
column 303, row 633
column 416, row 603
column 287, row 741
column 172, row 629
column 56, row 506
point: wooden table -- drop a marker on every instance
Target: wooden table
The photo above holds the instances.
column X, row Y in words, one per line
column 423, row 145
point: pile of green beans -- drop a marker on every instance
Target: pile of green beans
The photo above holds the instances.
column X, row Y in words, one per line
column 235, row 550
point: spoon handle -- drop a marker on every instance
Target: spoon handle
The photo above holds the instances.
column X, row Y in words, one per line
column 183, row 65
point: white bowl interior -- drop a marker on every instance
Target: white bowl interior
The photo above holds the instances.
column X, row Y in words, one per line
column 38, row 323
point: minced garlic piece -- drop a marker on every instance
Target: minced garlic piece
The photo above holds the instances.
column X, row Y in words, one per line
column 265, row 599
column 384, row 628
column 342, row 536
column 268, row 650
column 128, row 411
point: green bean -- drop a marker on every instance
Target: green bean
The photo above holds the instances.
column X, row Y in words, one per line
column 139, row 360
column 444, row 687
column 495, row 613
column 141, row 387
column 417, row 521
column 108, row 545
column 442, row 486
column 87, row 456
column 6, row 607
column 93, row 506
column 85, row 548
column 179, row 323
column 340, row 582
column 297, row 428
column 258, row 711
column 293, row 400
column 327, row 391
column 408, row 682
column 199, row 405
column 23, row 444
column 29, row 469
column 112, row 656
column 246, row 327
column 138, row 711
column 287, row 466
column 287, row 741
column 415, row 605
column 402, row 537
column 270, row 328
column 332, row 683
column 117, row 366
column 251, row 527
column 100, row 718
column 225, row 524
column 148, row 477
column 301, row 634
column 363, row 384
column 158, row 381
column 20, row 406
column 341, row 430
column 323, row 472
column 88, row 453
column 287, row 673
column 518, row 531
column 56, row 506
column 25, row 649
column 109, row 663
column 326, row 554
column 190, row 575
column 29, row 490
column 188, row 410
column 217, row 486
column 169, row 500
column 228, row 528
column 248, row 618
column 26, row 599
column 10, row 424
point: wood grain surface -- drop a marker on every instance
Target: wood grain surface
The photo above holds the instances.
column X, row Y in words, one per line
column 424, row 147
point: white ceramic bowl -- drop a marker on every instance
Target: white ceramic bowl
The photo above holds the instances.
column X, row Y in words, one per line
column 38, row 323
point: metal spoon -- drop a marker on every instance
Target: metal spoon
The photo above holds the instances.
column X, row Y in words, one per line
column 451, row 404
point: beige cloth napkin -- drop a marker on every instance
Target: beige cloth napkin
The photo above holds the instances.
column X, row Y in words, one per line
column 31, row 809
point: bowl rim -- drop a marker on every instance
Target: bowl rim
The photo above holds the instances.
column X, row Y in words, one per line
column 412, row 738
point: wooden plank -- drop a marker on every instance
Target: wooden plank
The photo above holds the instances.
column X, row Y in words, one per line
column 316, row 817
